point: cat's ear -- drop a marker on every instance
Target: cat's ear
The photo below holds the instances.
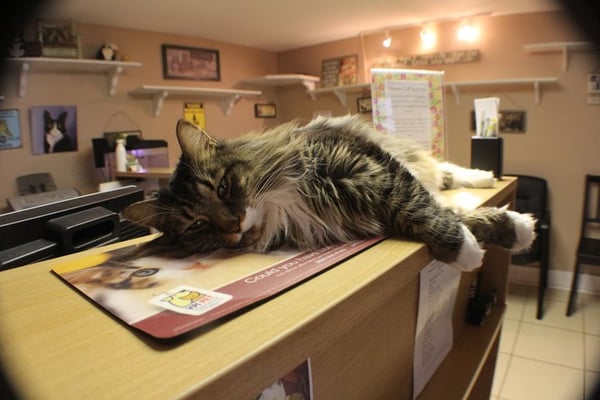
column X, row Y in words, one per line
column 193, row 140
column 143, row 212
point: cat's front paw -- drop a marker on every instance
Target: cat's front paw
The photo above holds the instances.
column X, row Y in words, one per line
column 471, row 254
column 524, row 230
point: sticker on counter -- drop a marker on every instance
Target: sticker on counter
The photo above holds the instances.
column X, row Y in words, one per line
column 190, row 300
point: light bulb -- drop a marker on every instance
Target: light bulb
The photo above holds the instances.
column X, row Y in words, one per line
column 428, row 37
column 467, row 32
column 387, row 42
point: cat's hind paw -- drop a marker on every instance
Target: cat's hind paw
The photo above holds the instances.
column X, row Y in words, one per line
column 471, row 254
column 524, row 230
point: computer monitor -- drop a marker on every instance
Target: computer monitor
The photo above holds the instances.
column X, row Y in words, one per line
column 67, row 226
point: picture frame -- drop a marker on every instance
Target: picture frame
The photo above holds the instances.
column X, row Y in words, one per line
column 58, row 38
column 339, row 71
column 10, row 129
column 265, row 110
column 511, row 121
column 57, row 122
column 192, row 63
column 364, row 105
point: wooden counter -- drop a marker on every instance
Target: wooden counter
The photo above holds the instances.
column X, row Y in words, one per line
column 356, row 322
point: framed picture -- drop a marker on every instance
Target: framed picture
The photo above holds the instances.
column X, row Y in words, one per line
column 339, row 71
column 364, row 105
column 10, row 129
column 511, row 121
column 265, row 110
column 594, row 83
column 58, row 38
column 53, row 129
column 180, row 62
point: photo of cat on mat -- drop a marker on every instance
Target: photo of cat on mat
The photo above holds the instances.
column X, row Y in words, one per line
column 307, row 186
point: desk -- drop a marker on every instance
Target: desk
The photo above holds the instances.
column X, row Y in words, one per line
column 153, row 177
column 356, row 322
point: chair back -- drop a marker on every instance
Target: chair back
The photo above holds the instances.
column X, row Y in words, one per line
column 590, row 223
column 532, row 195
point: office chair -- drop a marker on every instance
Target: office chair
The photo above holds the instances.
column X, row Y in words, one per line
column 588, row 248
column 532, row 197
column 35, row 183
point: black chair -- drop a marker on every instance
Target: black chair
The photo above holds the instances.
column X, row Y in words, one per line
column 588, row 249
column 532, row 198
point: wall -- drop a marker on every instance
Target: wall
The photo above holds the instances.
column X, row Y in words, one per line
column 563, row 131
column 98, row 112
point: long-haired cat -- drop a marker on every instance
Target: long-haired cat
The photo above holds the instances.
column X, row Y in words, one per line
column 332, row 180
column 55, row 134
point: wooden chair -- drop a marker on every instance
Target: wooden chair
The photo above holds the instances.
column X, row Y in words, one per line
column 532, row 198
column 588, row 249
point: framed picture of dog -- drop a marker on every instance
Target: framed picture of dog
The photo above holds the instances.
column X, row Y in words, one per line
column 53, row 129
column 181, row 62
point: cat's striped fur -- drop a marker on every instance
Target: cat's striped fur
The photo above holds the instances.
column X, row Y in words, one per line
column 332, row 180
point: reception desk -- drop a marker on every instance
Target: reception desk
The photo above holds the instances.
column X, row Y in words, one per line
column 355, row 322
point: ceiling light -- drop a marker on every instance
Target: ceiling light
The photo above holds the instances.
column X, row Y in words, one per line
column 387, row 42
column 428, row 37
column 467, row 32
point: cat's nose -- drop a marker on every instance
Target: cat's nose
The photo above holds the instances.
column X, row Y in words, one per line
column 230, row 225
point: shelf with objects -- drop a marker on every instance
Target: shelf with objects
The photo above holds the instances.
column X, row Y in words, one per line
column 308, row 81
column 558, row 47
column 226, row 97
column 112, row 69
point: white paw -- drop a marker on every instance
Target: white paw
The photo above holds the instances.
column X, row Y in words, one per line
column 524, row 229
column 470, row 256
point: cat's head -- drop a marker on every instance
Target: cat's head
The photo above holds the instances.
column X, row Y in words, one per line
column 203, row 206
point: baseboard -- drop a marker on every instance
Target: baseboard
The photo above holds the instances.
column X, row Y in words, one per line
column 556, row 279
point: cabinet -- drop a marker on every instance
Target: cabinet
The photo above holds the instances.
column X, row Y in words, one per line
column 226, row 97
column 112, row 69
column 356, row 322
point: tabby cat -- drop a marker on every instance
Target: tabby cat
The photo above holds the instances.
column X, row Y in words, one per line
column 331, row 180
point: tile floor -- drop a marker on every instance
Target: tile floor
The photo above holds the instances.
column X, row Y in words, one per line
column 555, row 358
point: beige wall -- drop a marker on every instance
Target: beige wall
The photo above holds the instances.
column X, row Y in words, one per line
column 98, row 112
column 560, row 144
column 563, row 131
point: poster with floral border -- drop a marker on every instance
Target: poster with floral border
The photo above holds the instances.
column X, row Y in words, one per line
column 10, row 130
column 410, row 103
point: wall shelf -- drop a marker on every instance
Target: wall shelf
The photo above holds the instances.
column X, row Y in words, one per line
column 113, row 69
column 534, row 82
column 340, row 91
column 226, row 97
column 308, row 81
column 558, row 47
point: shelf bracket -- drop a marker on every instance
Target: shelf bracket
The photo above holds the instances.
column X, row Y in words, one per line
column 228, row 103
column 113, row 80
column 341, row 95
column 309, row 85
column 157, row 101
column 456, row 93
column 536, row 91
column 25, row 67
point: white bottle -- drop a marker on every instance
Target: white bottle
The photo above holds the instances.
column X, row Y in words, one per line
column 121, row 155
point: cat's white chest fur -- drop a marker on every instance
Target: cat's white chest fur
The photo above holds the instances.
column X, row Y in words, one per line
column 52, row 137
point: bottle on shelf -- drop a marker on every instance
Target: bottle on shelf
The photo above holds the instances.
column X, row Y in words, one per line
column 121, row 155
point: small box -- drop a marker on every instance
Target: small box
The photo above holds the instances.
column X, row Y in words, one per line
column 487, row 154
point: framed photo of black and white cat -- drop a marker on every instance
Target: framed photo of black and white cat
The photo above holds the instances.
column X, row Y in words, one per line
column 182, row 62
column 53, row 129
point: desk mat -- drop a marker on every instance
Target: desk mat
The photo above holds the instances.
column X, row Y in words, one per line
column 166, row 297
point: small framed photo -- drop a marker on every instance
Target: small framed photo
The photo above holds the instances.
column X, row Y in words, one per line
column 265, row 110
column 180, row 62
column 58, row 38
column 364, row 105
column 593, row 83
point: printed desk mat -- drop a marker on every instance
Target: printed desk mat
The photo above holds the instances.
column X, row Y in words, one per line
column 167, row 297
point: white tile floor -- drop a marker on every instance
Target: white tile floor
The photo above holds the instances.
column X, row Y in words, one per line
column 555, row 358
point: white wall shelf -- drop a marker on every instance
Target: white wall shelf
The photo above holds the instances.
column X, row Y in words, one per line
column 558, row 47
column 341, row 91
column 112, row 69
column 534, row 82
column 308, row 81
column 226, row 97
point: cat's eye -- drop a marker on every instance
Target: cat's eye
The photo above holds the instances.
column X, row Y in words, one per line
column 143, row 272
column 223, row 188
column 198, row 225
